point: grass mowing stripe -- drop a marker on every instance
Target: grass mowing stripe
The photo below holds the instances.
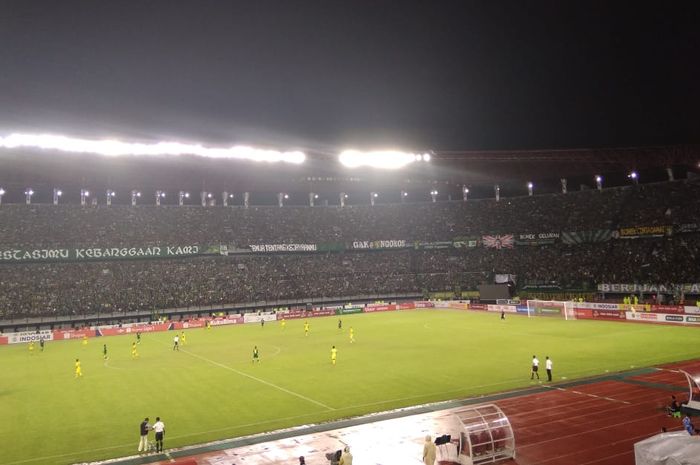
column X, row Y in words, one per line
column 259, row 380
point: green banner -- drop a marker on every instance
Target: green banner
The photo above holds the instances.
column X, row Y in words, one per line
column 348, row 311
column 20, row 255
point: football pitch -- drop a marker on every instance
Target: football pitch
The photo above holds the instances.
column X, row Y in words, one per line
column 211, row 389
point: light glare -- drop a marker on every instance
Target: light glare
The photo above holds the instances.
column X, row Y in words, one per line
column 383, row 159
column 109, row 147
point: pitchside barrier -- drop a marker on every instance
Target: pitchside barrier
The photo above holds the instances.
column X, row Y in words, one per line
column 670, row 314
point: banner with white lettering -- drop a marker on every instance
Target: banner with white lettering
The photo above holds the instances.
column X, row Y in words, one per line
column 388, row 244
column 537, row 238
column 19, row 255
column 687, row 288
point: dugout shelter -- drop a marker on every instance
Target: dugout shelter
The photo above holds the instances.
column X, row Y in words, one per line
column 480, row 434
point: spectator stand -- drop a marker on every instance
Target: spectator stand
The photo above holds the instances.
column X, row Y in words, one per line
column 484, row 436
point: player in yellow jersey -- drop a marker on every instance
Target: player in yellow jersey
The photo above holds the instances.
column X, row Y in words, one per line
column 306, row 328
column 31, row 347
column 183, row 339
column 352, row 335
column 134, row 354
column 283, row 323
column 334, row 354
column 208, row 324
column 78, row 370
column 84, row 340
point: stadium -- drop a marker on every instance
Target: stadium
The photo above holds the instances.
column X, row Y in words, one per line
column 283, row 253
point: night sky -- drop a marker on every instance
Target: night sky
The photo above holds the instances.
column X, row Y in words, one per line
column 327, row 75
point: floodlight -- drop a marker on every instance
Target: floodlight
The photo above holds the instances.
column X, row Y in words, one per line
column 59, row 193
column 383, row 159
column 286, row 196
column 230, row 196
column 598, row 179
column 209, row 195
column 29, row 192
column 118, row 148
column 187, row 195
column 633, row 175
column 405, row 194
column 315, row 196
column 2, row 191
column 426, row 157
column 529, row 185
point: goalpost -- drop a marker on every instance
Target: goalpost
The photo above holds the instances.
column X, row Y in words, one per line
column 555, row 308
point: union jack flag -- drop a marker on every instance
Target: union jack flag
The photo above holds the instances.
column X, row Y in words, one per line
column 498, row 242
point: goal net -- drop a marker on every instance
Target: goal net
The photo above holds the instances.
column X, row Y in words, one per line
column 555, row 308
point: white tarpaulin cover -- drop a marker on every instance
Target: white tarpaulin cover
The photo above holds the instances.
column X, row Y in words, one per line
column 677, row 448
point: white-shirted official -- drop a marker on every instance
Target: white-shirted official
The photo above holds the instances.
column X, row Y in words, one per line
column 176, row 343
column 159, row 428
column 535, row 367
column 548, row 366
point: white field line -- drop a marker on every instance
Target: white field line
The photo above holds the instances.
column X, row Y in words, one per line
column 259, row 380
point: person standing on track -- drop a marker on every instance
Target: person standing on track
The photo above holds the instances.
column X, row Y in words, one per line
column 535, row 368
column 548, row 367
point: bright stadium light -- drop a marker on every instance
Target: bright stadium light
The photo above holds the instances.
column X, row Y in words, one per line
column 134, row 195
column 2, row 192
column 118, row 148
column 383, row 159
column 634, row 177
column 28, row 195
column 182, row 195
column 599, row 182
column 529, row 188
column 465, row 193
column 433, row 194
column 109, row 196
column 57, row 193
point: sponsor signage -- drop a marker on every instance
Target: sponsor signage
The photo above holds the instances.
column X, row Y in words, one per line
column 115, row 331
column 29, row 336
column 272, row 248
column 379, row 308
column 474, row 306
column 424, row 304
column 73, row 333
column 502, row 308
column 691, row 309
column 18, row 255
column 673, row 317
column 351, row 310
column 599, row 305
column 688, row 288
column 255, row 318
column 663, row 318
column 390, row 244
column 608, row 314
column 667, row 309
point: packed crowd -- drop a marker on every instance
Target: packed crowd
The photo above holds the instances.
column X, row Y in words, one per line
column 77, row 288
column 41, row 226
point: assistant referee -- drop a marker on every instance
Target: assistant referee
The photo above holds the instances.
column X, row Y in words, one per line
column 159, row 428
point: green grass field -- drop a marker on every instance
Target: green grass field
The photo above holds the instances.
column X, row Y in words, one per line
column 211, row 390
